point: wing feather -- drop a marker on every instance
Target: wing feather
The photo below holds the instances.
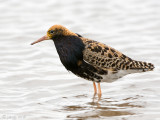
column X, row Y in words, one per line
column 103, row 56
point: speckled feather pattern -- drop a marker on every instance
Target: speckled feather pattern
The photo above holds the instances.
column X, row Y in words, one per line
column 106, row 57
column 114, row 63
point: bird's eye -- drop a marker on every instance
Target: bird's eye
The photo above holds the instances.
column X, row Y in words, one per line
column 51, row 31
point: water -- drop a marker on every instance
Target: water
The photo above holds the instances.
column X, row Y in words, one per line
column 34, row 85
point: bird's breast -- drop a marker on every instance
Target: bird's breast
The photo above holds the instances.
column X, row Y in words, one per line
column 70, row 50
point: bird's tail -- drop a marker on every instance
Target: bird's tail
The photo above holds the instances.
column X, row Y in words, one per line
column 144, row 66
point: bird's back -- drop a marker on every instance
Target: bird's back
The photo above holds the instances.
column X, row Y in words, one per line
column 114, row 62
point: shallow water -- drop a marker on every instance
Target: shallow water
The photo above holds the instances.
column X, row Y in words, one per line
column 34, row 85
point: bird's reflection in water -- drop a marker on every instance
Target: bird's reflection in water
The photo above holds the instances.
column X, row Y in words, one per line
column 98, row 95
column 100, row 107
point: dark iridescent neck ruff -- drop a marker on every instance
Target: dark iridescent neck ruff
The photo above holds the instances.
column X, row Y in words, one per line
column 70, row 50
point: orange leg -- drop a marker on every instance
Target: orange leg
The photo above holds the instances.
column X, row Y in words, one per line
column 95, row 88
column 99, row 89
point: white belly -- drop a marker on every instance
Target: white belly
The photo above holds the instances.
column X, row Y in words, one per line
column 110, row 77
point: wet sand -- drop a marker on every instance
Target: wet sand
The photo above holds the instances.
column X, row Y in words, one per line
column 34, row 85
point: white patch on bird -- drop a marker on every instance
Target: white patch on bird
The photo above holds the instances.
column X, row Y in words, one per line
column 111, row 77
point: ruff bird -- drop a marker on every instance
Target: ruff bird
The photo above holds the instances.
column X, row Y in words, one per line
column 90, row 59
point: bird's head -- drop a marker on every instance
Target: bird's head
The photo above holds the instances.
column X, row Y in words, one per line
column 54, row 31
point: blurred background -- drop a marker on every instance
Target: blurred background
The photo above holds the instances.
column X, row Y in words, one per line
column 34, row 85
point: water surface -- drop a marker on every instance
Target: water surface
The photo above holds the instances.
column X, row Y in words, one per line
column 34, row 85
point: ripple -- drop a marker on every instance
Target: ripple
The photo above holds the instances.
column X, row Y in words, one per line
column 35, row 85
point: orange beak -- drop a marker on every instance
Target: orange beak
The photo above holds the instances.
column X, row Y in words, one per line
column 41, row 39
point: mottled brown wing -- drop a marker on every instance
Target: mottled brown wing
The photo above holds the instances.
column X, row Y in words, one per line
column 103, row 56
